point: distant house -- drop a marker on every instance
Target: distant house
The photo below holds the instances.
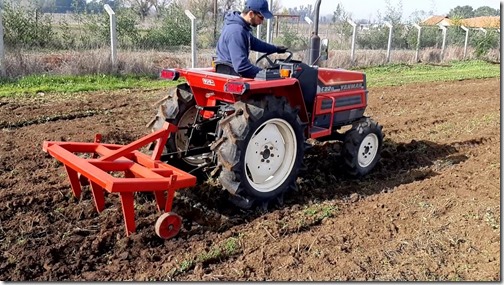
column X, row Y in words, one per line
column 435, row 20
column 477, row 22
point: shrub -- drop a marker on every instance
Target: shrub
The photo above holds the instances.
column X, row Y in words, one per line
column 484, row 42
column 291, row 39
column 26, row 28
column 175, row 30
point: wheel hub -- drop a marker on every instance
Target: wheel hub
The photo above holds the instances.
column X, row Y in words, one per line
column 266, row 153
column 182, row 137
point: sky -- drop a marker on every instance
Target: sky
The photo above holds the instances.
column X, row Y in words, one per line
column 367, row 9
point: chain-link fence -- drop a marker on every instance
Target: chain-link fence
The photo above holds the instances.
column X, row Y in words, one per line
column 37, row 42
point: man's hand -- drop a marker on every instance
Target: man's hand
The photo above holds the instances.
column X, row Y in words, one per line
column 281, row 49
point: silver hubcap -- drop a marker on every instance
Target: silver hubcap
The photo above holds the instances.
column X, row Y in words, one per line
column 270, row 155
column 368, row 150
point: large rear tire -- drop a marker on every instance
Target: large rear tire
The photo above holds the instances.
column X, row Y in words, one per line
column 261, row 152
column 362, row 147
column 179, row 108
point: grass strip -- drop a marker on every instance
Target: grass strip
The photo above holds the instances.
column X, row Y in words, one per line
column 386, row 75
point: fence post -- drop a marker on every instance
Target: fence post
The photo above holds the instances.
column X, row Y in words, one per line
column 418, row 41
column 310, row 22
column 389, row 45
column 268, row 31
column 2, row 50
column 193, row 38
column 466, row 39
column 444, row 41
column 352, row 50
column 113, row 34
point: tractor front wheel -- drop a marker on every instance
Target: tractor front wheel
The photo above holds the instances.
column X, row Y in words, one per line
column 362, row 147
column 262, row 150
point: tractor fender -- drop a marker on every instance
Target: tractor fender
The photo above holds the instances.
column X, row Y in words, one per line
column 292, row 94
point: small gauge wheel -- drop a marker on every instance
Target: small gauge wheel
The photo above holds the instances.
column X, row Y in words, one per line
column 168, row 225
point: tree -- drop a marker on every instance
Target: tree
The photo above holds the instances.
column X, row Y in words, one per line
column 339, row 15
column 141, row 7
column 96, row 6
column 462, row 12
column 486, row 11
column 200, row 8
column 161, row 6
column 227, row 5
column 393, row 13
column 417, row 16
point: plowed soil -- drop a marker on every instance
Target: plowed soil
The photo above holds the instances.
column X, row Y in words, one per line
column 429, row 211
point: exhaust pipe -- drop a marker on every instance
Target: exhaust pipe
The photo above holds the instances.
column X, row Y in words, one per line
column 315, row 39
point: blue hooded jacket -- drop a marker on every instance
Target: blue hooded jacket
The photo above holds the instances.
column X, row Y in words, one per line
column 235, row 43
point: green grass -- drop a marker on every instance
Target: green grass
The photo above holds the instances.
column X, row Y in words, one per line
column 387, row 75
column 31, row 85
column 401, row 74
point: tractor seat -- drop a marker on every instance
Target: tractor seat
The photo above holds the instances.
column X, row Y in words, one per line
column 224, row 67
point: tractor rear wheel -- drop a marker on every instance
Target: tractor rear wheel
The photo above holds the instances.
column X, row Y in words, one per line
column 261, row 152
column 362, row 146
column 179, row 108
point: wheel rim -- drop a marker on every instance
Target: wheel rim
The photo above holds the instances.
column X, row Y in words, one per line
column 368, row 150
column 181, row 137
column 270, row 155
column 168, row 225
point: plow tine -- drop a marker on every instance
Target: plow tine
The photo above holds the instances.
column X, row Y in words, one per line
column 160, row 200
column 169, row 200
column 171, row 194
column 128, row 207
column 74, row 181
column 99, row 197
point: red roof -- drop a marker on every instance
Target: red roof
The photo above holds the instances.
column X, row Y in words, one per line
column 433, row 20
column 477, row 22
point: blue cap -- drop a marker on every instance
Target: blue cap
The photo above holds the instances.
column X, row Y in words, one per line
column 259, row 6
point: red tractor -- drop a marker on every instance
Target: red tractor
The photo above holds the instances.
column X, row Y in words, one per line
column 252, row 132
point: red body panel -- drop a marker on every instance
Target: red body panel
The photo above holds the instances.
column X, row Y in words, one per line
column 339, row 76
column 346, row 90
column 208, row 86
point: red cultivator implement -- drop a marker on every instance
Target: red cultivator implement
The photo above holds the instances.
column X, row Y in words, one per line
column 123, row 169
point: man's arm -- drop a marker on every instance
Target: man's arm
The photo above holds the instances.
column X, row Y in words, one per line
column 239, row 56
column 260, row 46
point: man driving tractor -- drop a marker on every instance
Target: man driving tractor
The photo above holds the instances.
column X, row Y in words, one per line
column 236, row 39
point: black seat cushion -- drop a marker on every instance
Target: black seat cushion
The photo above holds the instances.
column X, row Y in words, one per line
column 225, row 68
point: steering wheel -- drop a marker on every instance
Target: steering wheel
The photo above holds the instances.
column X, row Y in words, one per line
column 270, row 62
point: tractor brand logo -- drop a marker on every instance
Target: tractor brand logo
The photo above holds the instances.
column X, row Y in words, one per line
column 351, row 86
column 325, row 89
column 209, row 82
